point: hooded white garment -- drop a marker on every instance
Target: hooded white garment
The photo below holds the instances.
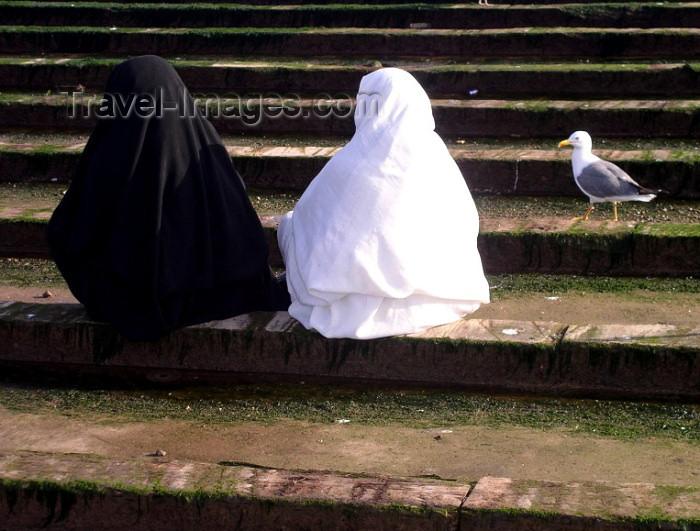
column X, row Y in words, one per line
column 383, row 240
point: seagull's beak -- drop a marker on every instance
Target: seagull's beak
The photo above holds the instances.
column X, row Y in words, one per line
column 564, row 143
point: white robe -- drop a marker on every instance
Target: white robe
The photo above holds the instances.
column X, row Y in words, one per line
column 383, row 241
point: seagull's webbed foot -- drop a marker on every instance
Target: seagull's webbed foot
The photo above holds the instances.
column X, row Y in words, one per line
column 585, row 216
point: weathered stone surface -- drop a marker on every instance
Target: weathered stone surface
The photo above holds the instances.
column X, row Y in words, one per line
column 487, row 172
column 275, row 344
column 23, row 239
column 84, row 491
column 591, row 500
column 651, row 335
column 617, row 252
column 478, row 354
column 380, row 2
column 486, row 330
column 353, row 42
column 466, row 118
column 395, row 16
column 654, row 355
column 81, row 492
column 541, row 246
column 233, row 75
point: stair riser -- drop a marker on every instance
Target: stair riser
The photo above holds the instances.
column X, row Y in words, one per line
column 267, row 346
column 606, row 44
column 542, row 253
column 666, row 83
column 484, row 177
column 469, row 17
column 462, row 121
column 324, row 2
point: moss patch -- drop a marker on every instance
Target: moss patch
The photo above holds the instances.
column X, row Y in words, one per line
column 24, row 272
column 512, row 286
column 411, row 408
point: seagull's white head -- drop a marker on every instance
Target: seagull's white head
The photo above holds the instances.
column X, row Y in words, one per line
column 578, row 140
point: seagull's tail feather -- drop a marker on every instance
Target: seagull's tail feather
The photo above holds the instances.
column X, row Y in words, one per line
column 647, row 194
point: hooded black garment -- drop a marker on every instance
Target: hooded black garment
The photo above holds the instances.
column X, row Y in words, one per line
column 156, row 230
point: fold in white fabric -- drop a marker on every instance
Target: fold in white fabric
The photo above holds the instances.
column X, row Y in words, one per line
column 383, row 240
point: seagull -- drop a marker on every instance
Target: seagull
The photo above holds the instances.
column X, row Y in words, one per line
column 600, row 180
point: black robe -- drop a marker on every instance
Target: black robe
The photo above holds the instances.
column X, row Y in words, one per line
column 156, row 230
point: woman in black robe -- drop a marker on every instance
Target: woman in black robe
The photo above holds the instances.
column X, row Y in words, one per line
column 156, row 230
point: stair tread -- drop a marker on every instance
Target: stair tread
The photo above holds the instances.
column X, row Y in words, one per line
column 349, row 63
column 19, row 201
column 462, row 15
column 650, row 150
column 558, row 354
column 554, row 42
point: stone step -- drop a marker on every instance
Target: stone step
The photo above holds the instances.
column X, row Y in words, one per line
column 541, row 246
column 240, row 114
column 492, row 3
column 566, row 246
column 592, row 43
column 489, row 168
column 306, row 76
column 45, row 489
column 538, row 235
column 645, row 361
column 277, row 424
column 585, row 300
column 409, row 15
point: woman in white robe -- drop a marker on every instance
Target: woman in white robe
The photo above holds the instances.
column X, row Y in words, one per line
column 383, row 241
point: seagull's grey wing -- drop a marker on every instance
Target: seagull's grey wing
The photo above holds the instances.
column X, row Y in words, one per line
column 619, row 172
column 625, row 177
column 604, row 179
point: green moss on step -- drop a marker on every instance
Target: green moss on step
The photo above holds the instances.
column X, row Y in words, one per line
column 410, row 408
column 670, row 230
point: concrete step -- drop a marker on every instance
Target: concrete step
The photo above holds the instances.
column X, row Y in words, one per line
column 492, row 3
column 592, row 43
column 409, row 15
column 277, row 424
column 234, row 113
column 299, row 449
column 645, row 361
column 541, row 246
column 585, row 300
column 287, row 163
column 597, row 357
column 306, row 76
column 537, row 234
column 81, row 491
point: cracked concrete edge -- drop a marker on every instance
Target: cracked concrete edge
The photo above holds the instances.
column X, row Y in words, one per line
column 83, row 490
column 558, row 42
column 644, row 502
column 149, row 474
column 549, row 246
column 74, row 147
column 38, row 489
column 625, row 361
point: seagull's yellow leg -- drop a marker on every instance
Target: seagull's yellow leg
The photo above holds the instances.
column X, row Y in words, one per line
column 585, row 216
column 615, row 210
